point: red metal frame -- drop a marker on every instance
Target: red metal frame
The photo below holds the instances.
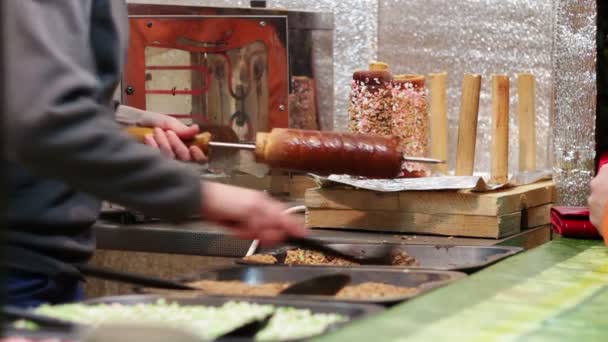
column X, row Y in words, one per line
column 233, row 33
column 200, row 68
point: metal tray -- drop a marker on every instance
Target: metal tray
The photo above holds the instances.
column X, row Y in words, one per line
column 352, row 311
column 422, row 280
column 438, row 257
column 40, row 335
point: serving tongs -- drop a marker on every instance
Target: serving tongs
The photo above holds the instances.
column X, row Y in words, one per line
column 12, row 313
column 382, row 255
column 132, row 278
column 327, row 285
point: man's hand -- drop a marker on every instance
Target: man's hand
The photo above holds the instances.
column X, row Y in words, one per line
column 249, row 214
column 168, row 133
column 599, row 197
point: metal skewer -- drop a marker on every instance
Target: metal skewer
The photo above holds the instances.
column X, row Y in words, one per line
column 250, row 146
column 242, row 146
column 423, row 160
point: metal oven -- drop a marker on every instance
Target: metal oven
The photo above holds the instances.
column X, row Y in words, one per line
column 250, row 69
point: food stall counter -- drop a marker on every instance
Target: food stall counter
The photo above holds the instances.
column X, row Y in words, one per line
column 555, row 292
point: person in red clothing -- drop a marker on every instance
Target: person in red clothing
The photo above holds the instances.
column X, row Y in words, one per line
column 599, row 193
column 599, row 185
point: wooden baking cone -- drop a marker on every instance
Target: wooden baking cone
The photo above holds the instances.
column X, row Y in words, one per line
column 467, row 125
column 500, row 129
column 378, row 66
column 439, row 120
column 526, row 112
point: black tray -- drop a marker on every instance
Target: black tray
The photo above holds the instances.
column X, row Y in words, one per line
column 438, row 257
column 422, row 280
column 41, row 334
column 352, row 311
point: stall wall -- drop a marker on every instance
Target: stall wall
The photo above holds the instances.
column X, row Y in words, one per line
column 554, row 39
column 484, row 37
column 470, row 36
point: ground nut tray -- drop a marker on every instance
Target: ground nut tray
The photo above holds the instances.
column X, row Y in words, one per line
column 438, row 257
column 420, row 281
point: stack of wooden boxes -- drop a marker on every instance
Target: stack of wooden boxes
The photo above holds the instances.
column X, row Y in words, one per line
column 494, row 214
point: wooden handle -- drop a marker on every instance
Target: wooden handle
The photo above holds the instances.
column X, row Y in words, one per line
column 467, row 125
column 500, row 129
column 261, row 139
column 201, row 140
column 526, row 112
column 139, row 133
column 439, row 119
column 378, row 66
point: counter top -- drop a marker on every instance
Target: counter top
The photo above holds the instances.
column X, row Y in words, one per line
column 558, row 291
column 205, row 239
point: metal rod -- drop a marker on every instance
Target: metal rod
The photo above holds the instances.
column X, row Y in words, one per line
column 246, row 146
column 232, row 145
column 423, row 160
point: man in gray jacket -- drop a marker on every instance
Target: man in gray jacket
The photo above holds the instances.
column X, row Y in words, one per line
column 65, row 151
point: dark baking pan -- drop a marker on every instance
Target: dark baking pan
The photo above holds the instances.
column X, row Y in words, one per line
column 422, row 280
column 39, row 335
column 438, row 257
column 350, row 310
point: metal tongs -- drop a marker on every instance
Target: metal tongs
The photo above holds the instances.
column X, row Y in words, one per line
column 132, row 278
column 381, row 256
column 252, row 147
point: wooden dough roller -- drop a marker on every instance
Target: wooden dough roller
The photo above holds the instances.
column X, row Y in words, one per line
column 316, row 151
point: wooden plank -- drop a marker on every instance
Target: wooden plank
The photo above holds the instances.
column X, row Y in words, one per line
column 537, row 216
column 298, row 185
column 526, row 121
column 467, row 125
column 529, row 238
column 495, row 203
column 292, row 186
column 418, row 223
column 250, row 182
column 279, row 183
column 499, row 150
column 351, row 199
column 439, row 119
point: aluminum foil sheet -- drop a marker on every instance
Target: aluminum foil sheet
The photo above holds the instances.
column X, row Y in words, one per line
column 478, row 182
column 574, row 62
column 472, row 36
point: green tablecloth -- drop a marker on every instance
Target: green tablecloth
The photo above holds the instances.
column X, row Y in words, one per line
column 558, row 291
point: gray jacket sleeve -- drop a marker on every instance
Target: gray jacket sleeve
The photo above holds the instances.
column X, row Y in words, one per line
column 58, row 128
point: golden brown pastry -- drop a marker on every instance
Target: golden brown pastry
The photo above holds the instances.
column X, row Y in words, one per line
column 329, row 152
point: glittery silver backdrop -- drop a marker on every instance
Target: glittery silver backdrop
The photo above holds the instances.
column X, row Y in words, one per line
column 472, row 36
column 553, row 39
column 355, row 38
column 574, row 62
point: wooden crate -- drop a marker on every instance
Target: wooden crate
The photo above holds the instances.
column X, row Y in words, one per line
column 292, row 186
column 493, row 214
